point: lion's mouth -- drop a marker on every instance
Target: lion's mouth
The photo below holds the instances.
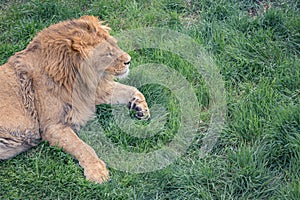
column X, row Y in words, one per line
column 124, row 73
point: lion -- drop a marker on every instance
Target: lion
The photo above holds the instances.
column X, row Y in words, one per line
column 51, row 89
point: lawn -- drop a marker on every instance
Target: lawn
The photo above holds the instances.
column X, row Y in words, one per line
column 252, row 47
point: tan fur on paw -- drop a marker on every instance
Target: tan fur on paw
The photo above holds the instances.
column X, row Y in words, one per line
column 96, row 172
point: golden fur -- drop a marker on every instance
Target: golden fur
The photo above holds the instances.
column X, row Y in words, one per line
column 50, row 89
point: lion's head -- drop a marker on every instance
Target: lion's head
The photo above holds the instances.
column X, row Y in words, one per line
column 73, row 46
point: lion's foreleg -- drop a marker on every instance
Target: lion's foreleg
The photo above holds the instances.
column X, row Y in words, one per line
column 64, row 137
column 128, row 95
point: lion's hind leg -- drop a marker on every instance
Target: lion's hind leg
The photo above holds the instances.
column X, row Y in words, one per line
column 12, row 145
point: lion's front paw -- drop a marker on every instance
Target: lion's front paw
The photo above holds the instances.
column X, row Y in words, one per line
column 139, row 104
column 97, row 172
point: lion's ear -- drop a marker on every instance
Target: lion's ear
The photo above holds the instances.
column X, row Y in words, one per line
column 104, row 26
column 89, row 18
column 79, row 47
column 95, row 22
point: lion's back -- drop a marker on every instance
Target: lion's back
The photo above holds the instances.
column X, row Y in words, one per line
column 12, row 110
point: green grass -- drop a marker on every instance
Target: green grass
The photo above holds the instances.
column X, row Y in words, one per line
column 258, row 153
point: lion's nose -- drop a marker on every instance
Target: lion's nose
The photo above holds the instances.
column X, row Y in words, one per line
column 127, row 63
column 126, row 59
